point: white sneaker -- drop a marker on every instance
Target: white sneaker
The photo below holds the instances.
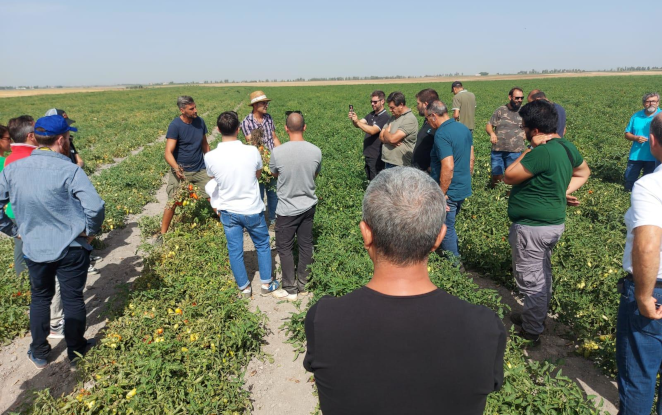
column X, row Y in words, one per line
column 57, row 332
column 91, row 270
column 281, row 294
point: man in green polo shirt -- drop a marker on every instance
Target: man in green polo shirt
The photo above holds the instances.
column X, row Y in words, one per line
column 543, row 180
column 399, row 135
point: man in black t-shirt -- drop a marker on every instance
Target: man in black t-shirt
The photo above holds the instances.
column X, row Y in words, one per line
column 186, row 144
column 400, row 345
column 372, row 125
column 425, row 137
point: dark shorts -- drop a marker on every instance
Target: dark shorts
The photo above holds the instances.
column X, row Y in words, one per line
column 197, row 178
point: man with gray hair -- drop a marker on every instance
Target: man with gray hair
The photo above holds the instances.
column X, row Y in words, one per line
column 186, row 144
column 637, row 131
column 384, row 348
column 452, row 164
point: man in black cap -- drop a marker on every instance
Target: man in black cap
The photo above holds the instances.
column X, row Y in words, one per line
column 464, row 106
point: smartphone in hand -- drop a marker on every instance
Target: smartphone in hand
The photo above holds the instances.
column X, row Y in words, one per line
column 351, row 108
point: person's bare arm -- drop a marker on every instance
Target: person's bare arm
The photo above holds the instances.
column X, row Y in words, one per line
column 636, row 138
column 516, row 173
column 79, row 161
column 579, row 176
column 645, row 267
column 456, row 114
column 447, row 166
column 489, row 128
column 392, row 138
column 205, row 145
column 276, row 140
column 363, row 124
column 171, row 143
column 471, row 161
column 258, row 173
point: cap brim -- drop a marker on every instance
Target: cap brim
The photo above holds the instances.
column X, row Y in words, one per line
column 74, row 129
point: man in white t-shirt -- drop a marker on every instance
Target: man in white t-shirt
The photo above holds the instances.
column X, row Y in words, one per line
column 236, row 167
column 639, row 327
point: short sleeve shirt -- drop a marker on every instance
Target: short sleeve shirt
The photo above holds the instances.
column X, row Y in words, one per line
column 540, row 201
column 250, row 123
column 423, row 147
column 372, row 146
column 401, row 155
column 560, row 125
column 296, row 163
column 465, row 102
column 640, row 124
column 644, row 211
column 453, row 139
column 188, row 150
column 506, row 124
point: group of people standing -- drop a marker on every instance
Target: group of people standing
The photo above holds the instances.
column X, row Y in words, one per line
column 230, row 177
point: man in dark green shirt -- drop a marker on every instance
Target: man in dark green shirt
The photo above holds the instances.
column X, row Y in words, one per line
column 543, row 180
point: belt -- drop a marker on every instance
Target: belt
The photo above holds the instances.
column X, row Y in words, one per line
column 629, row 277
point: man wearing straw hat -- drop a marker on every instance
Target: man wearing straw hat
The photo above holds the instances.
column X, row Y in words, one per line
column 259, row 118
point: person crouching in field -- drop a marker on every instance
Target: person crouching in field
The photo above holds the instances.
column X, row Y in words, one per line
column 400, row 345
column 236, row 167
column 296, row 164
column 543, row 180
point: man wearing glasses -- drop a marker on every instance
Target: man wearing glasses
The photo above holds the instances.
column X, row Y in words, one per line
column 506, row 135
column 637, row 131
column 372, row 125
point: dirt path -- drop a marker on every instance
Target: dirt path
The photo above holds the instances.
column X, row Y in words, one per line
column 280, row 386
column 557, row 349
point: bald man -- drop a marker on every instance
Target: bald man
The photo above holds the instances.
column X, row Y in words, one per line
column 295, row 164
column 537, row 94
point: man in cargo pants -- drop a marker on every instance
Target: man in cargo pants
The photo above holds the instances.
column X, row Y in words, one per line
column 543, row 180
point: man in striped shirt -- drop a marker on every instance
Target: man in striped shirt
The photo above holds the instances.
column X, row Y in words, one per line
column 259, row 118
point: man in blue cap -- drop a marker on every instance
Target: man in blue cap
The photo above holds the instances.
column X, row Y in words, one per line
column 57, row 213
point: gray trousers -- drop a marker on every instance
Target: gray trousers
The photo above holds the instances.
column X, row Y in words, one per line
column 532, row 268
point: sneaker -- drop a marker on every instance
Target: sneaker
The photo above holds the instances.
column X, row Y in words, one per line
column 91, row 270
column 94, row 258
column 90, row 344
column 533, row 340
column 38, row 362
column 159, row 240
column 57, row 332
column 281, row 294
column 304, row 293
column 271, row 287
column 247, row 292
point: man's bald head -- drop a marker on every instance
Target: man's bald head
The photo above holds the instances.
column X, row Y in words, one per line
column 295, row 122
column 531, row 94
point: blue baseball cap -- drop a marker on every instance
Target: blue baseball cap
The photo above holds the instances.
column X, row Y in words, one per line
column 52, row 125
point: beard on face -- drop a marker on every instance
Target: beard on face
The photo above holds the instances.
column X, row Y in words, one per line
column 651, row 109
column 515, row 104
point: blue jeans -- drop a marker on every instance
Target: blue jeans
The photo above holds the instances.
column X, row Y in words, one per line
column 638, row 354
column 71, row 273
column 272, row 199
column 234, row 224
column 501, row 160
column 633, row 169
column 450, row 242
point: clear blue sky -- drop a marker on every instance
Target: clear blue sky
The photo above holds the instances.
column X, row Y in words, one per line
column 88, row 42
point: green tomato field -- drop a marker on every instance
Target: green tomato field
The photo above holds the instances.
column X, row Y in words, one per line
column 179, row 340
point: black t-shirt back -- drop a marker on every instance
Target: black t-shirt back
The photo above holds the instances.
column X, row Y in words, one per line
column 372, row 147
column 423, row 147
column 433, row 353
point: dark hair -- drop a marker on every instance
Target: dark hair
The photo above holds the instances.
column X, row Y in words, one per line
column 515, row 89
column 539, row 95
column 540, row 114
column 295, row 122
column 397, row 98
column 20, row 127
column 656, row 128
column 45, row 140
column 3, row 130
column 427, row 95
column 227, row 123
column 378, row 93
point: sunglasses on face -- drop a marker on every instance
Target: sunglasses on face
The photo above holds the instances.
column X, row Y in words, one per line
column 518, row 98
column 375, row 102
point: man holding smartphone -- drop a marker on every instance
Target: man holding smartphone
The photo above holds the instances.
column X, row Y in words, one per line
column 372, row 125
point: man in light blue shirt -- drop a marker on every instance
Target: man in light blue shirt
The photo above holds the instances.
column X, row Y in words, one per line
column 637, row 131
column 57, row 213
